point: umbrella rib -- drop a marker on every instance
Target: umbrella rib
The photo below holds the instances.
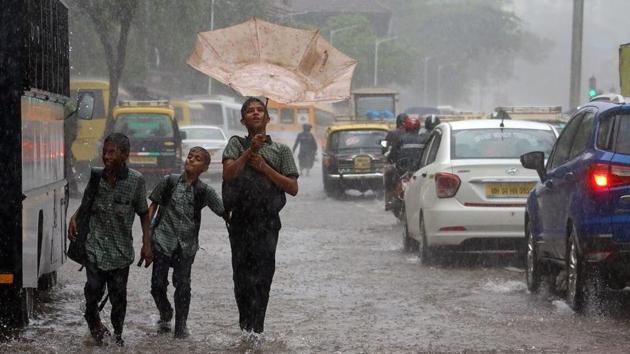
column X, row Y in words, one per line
column 308, row 47
column 334, row 76
column 205, row 40
column 257, row 38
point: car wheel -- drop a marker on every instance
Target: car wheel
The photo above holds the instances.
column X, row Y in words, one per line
column 409, row 244
column 424, row 252
column 575, row 274
column 533, row 267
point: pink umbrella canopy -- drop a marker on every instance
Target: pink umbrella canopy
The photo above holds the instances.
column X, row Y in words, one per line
column 287, row 65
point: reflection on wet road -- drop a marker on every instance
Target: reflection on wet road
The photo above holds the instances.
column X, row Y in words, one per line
column 342, row 284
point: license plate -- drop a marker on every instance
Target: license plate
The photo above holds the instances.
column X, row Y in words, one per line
column 508, row 190
column 143, row 160
column 362, row 163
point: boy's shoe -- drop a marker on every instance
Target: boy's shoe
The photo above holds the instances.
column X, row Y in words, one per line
column 181, row 332
column 119, row 340
column 164, row 326
column 98, row 331
column 164, row 323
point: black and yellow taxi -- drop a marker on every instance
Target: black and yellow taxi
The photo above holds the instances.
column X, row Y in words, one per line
column 353, row 158
column 154, row 136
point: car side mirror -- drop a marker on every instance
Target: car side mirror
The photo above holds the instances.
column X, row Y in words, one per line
column 535, row 160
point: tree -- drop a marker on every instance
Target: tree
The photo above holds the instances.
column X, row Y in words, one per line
column 358, row 43
column 112, row 22
column 473, row 41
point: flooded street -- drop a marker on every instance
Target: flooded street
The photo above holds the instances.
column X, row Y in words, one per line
column 342, row 284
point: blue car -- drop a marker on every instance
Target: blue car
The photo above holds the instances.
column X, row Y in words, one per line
column 577, row 219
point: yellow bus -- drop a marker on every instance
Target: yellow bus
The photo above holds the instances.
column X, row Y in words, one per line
column 90, row 131
column 188, row 113
column 287, row 121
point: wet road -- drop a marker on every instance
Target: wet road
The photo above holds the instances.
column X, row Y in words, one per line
column 342, row 284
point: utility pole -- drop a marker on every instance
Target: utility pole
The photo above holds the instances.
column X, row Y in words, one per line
column 377, row 43
column 576, row 54
column 333, row 32
column 211, row 29
column 425, row 95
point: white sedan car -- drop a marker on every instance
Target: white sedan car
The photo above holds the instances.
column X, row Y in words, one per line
column 209, row 137
column 471, row 192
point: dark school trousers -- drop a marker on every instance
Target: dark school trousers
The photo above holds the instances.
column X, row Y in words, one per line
column 181, row 280
column 253, row 241
column 116, row 282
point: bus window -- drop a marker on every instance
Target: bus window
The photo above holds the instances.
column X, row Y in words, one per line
column 323, row 118
column 179, row 113
column 273, row 115
column 234, row 118
column 287, row 115
column 302, row 116
column 213, row 114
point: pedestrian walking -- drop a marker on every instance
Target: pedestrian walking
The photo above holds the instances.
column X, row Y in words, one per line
column 118, row 194
column 308, row 148
column 175, row 211
column 257, row 172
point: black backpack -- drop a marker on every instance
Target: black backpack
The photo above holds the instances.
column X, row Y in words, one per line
column 76, row 250
column 252, row 191
column 199, row 191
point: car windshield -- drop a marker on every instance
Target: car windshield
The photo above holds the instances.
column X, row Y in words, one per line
column 203, row 134
column 357, row 139
column 499, row 143
column 144, row 125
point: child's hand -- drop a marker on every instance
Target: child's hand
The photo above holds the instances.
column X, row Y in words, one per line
column 146, row 255
column 73, row 229
column 257, row 162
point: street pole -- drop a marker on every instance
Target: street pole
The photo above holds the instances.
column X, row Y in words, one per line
column 426, row 81
column 576, row 54
column 211, row 29
column 376, row 44
column 439, row 81
column 332, row 33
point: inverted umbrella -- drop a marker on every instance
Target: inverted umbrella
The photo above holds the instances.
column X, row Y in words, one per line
column 288, row 65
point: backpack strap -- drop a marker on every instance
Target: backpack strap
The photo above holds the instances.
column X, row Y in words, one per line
column 91, row 189
column 199, row 194
column 171, row 183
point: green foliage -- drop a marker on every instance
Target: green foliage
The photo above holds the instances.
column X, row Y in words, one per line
column 473, row 41
column 356, row 39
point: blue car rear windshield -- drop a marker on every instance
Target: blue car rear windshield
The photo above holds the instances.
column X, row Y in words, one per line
column 622, row 144
column 144, row 126
column 499, row 144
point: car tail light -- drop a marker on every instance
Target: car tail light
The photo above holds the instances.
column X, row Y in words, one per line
column 603, row 176
column 446, row 184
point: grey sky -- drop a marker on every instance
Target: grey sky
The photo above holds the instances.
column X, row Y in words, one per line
column 547, row 83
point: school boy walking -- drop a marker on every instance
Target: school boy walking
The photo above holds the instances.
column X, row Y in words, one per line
column 176, row 236
column 120, row 192
column 257, row 172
